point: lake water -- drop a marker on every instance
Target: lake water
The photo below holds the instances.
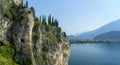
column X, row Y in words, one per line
column 95, row 54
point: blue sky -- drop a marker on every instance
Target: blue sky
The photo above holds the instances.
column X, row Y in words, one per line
column 77, row 16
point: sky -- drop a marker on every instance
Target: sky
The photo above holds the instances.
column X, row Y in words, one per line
column 78, row 16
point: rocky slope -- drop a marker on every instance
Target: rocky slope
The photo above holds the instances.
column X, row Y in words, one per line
column 35, row 43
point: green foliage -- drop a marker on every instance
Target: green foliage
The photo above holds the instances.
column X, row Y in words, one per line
column 45, row 48
column 59, row 30
column 44, row 20
column 12, row 12
column 26, row 3
column 36, row 19
column 55, row 23
column 52, row 37
column 64, row 34
column 58, row 35
column 52, row 20
column 33, row 10
column 45, row 57
column 40, row 19
column 6, row 55
column 8, row 14
column 6, row 61
column 22, row 16
column 49, row 20
column 58, row 38
column 48, row 27
column 0, row 23
column 27, row 61
column 36, row 36
column 21, row 4
column 1, row 12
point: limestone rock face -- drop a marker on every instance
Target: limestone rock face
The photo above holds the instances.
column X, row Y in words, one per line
column 22, row 37
column 17, row 2
column 34, row 45
column 4, row 28
column 49, row 52
column 42, row 50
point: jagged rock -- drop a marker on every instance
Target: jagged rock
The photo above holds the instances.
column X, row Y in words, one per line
column 17, row 2
column 33, row 44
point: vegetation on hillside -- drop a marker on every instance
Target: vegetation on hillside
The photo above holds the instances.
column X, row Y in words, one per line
column 6, row 54
column 49, row 27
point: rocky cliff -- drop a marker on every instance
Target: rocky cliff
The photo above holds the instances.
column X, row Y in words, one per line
column 34, row 41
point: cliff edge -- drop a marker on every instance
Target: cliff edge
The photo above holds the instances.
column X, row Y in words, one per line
column 33, row 41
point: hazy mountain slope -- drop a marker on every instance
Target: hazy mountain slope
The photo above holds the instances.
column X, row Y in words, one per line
column 71, row 37
column 113, row 35
column 113, row 26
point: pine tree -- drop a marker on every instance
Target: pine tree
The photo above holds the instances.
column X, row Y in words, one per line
column 22, row 3
column 59, row 30
column 52, row 21
column 49, row 20
column 64, row 34
column 40, row 18
column 27, row 4
column 36, row 19
column 33, row 11
column 44, row 20
column 56, row 23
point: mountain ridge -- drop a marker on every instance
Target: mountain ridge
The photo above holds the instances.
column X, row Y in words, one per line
column 109, row 36
column 112, row 26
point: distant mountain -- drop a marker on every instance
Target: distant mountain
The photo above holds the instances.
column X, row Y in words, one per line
column 113, row 26
column 113, row 35
column 71, row 37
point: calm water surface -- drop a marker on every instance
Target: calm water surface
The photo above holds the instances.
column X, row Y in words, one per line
column 95, row 54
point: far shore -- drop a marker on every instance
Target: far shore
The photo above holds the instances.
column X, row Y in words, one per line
column 94, row 41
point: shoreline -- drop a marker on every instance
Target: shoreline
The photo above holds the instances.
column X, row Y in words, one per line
column 93, row 41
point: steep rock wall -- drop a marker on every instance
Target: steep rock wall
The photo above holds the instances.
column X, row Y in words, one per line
column 33, row 44
column 47, row 51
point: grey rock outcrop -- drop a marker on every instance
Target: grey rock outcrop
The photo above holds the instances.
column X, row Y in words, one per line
column 33, row 44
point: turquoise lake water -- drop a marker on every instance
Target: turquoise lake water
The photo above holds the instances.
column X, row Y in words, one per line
column 95, row 54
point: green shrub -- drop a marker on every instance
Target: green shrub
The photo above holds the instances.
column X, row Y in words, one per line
column 0, row 23
column 6, row 55
column 6, row 61
column 64, row 34
column 27, row 61
column 47, row 27
column 36, row 36
column 1, row 12
column 45, row 57
column 45, row 48
column 8, row 14
column 52, row 37
column 36, row 19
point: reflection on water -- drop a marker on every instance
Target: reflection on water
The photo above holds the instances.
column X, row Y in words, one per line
column 95, row 54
